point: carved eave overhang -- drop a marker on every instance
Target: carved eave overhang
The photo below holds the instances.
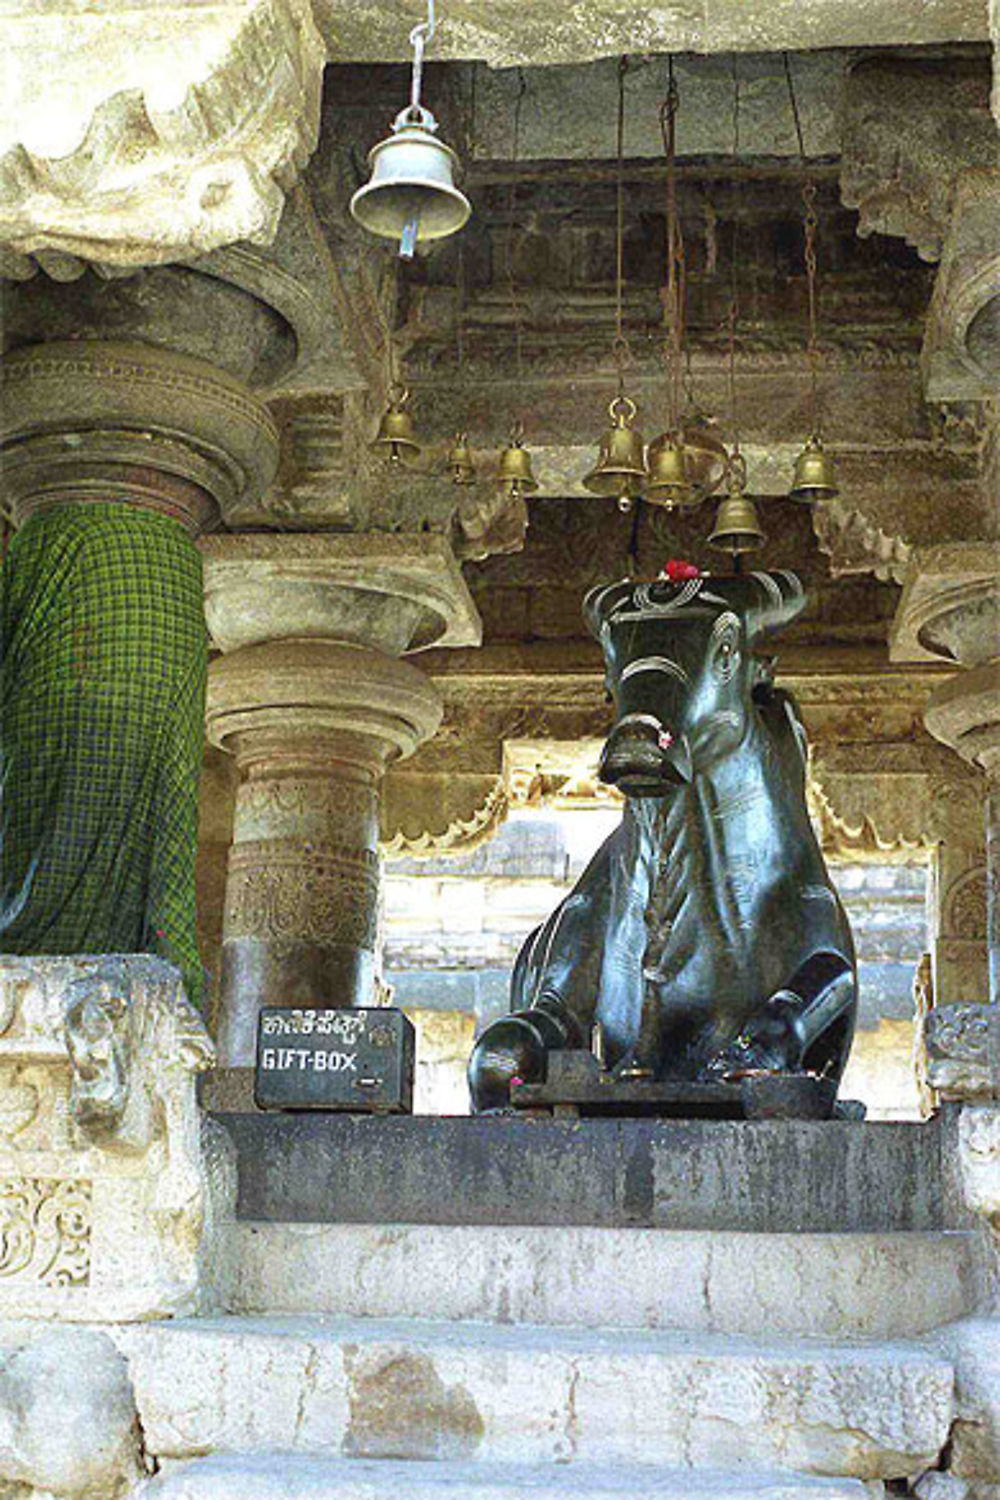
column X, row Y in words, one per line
column 133, row 137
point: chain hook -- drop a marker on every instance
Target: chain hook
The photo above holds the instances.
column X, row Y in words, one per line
column 420, row 38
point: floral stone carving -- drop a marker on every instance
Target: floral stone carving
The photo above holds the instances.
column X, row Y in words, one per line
column 963, row 1051
column 105, row 1182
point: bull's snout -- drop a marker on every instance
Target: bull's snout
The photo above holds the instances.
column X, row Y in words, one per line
column 643, row 758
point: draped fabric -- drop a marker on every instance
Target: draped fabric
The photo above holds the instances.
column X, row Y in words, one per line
column 103, row 657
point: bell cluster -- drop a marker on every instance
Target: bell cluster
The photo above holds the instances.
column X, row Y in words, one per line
column 412, row 198
column 397, row 442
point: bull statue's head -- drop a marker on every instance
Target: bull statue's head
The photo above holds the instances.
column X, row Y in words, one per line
column 681, row 670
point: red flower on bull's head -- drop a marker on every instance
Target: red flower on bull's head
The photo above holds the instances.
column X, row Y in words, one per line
column 679, row 571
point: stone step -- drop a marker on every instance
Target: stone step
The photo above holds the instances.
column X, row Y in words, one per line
column 778, row 1176
column 281, row 1477
column 785, row 1285
column 361, row 1388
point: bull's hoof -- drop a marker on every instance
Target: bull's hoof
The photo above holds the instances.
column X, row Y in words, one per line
column 510, row 1048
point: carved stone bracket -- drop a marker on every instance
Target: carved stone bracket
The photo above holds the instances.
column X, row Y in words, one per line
column 104, row 1185
column 905, row 123
column 962, row 1045
column 961, row 355
column 130, row 143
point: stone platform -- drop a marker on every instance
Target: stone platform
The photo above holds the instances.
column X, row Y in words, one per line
column 763, row 1176
column 355, row 1479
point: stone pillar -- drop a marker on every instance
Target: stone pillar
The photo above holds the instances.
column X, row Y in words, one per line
column 950, row 610
column 314, row 703
column 155, row 429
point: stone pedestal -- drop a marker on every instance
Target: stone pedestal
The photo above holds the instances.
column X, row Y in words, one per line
column 314, row 703
column 107, row 1173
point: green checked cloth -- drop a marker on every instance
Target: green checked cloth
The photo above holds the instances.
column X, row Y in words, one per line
column 102, row 689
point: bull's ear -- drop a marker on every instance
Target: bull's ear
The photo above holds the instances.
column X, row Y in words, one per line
column 774, row 599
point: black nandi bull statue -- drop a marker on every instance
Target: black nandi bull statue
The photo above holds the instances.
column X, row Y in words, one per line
column 705, row 935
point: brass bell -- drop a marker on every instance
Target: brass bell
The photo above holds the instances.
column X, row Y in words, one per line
column 620, row 470
column 514, row 469
column 737, row 528
column 815, row 477
column 396, row 438
column 411, row 196
column 706, row 455
column 669, row 483
column 459, row 461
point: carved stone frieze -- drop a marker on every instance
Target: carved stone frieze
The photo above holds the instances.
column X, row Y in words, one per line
column 104, row 1188
column 121, row 147
column 46, row 1225
column 326, row 894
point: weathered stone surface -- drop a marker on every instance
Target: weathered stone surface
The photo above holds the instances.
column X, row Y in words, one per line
column 129, row 137
column 783, row 1177
column 105, row 1187
column 847, row 1285
column 978, row 1147
column 963, row 1050
column 508, row 36
column 68, row 1420
column 961, row 354
column 909, row 123
column 569, row 113
column 232, row 1478
column 974, row 1348
column 380, row 1390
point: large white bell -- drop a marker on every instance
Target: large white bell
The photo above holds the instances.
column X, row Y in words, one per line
column 412, row 195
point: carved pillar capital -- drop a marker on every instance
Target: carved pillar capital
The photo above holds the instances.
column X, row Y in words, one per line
column 300, row 705
column 96, row 420
column 313, row 700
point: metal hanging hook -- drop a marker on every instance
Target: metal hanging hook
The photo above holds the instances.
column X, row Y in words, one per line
column 420, row 37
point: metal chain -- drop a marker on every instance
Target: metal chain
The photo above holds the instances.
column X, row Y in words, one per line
column 676, row 289
column 515, row 304
column 736, row 464
column 621, row 348
column 810, row 221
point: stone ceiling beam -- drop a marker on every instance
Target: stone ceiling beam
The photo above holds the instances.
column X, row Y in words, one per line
column 510, row 33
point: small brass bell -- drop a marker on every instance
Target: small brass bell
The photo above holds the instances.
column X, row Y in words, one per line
column 737, row 528
column 620, row 470
column 514, row 469
column 459, row 461
column 669, row 483
column 815, row 477
column 396, row 438
column 706, row 455
column 411, row 196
